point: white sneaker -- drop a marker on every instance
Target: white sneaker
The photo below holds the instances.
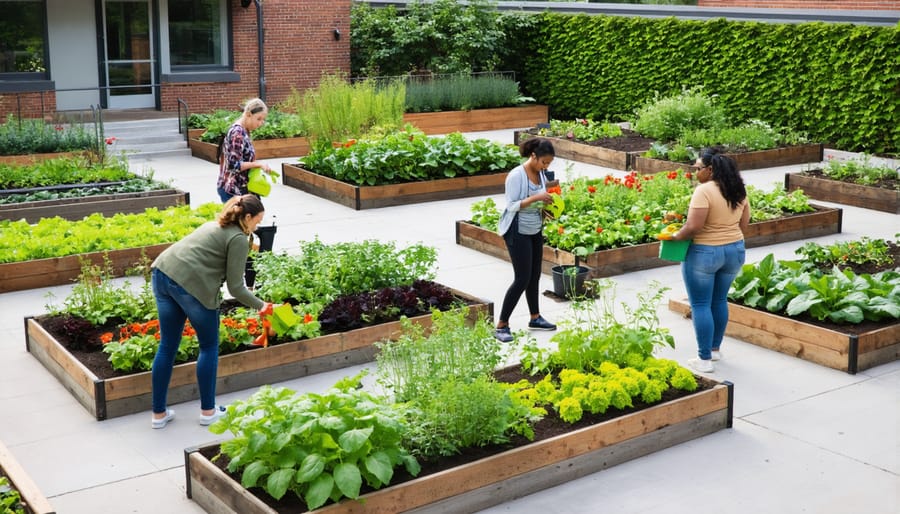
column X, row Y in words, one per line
column 701, row 366
column 717, row 355
column 218, row 412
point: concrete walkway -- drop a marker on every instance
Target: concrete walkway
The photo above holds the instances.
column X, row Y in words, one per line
column 806, row 438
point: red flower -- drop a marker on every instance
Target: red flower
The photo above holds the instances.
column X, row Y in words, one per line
column 554, row 190
column 106, row 338
column 592, row 189
column 646, row 217
column 110, row 140
column 599, row 229
column 688, row 175
column 308, row 318
column 60, row 127
column 571, row 188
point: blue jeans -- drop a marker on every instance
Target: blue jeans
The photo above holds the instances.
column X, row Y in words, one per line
column 175, row 305
column 708, row 272
column 223, row 195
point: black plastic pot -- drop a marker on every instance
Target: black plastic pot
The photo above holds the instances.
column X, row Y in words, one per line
column 570, row 284
column 266, row 237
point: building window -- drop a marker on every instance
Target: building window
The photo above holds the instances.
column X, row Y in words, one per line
column 198, row 34
column 23, row 42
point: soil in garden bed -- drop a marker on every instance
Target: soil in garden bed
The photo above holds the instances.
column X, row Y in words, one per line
column 550, row 426
column 892, row 184
column 629, row 141
column 82, row 339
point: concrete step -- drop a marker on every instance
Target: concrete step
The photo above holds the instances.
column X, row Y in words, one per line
column 146, row 139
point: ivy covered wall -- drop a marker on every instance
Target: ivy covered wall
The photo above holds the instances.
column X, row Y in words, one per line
column 838, row 82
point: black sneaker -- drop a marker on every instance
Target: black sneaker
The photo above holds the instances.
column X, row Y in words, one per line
column 503, row 335
column 539, row 323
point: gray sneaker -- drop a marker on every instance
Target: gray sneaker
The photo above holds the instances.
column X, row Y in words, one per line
column 503, row 335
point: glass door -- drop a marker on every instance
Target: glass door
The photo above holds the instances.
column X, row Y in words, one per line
column 129, row 54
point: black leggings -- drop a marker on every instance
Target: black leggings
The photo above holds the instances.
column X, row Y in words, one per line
column 526, row 254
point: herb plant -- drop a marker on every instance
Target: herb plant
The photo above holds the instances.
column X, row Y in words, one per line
column 279, row 125
column 861, row 171
column 445, row 376
column 320, row 447
column 862, row 251
column 323, row 272
column 461, row 92
column 595, row 334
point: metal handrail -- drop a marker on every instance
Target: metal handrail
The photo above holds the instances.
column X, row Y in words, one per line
column 187, row 115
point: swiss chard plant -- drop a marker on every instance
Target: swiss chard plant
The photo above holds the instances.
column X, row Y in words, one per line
column 10, row 499
column 839, row 296
column 319, row 447
column 581, row 129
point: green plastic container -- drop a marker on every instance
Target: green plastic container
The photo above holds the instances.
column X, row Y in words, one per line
column 673, row 250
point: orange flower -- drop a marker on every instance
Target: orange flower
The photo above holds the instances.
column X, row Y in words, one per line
column 592, row 189
column 308, row 318
column 554, row 190
column 599, row 230
column 106, row 338
column 560, row 230
column 646, row 217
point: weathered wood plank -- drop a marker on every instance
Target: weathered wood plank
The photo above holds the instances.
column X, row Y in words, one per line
column 867, row 197
column 107, row 205
column 369, row 197
column 507, row 475
column 798, row 154
column 130, row 393
column 478, row 119
column 606, row 263
column 17, row 276
column 581, row 152
column 265, row 148
column 32, row 496
column 837, row 350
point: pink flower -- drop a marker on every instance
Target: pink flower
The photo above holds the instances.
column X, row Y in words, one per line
column 110, row 140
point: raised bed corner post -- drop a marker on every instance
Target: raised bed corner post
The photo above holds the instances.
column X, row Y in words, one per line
column 729, row 422
column 853, row 354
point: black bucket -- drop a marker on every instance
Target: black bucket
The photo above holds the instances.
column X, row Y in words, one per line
column 567, row 284
column 266, row 237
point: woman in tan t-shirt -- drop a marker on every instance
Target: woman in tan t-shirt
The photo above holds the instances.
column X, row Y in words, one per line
column 719, row 214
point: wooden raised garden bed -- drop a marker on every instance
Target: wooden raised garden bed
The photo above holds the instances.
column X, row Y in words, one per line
column 17, row 276
column 476, row 120
column 847, row 193
column 31, row 496
column 108, row 398
column 504, row 476
column 798, row 154
column 265, row 148
column 843, row 351
column 615, row 261
column 22, row 160
column 589, row 154
column 369, row 197
column 107, row 205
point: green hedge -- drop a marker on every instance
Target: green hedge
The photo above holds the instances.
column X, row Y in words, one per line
column 840, row 83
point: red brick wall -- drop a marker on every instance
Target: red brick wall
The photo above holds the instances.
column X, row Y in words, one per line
column 299, row 47
column 884, row 5
column 26, row 105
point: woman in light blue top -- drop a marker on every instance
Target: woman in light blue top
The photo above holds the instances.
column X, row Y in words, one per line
column 521, row 226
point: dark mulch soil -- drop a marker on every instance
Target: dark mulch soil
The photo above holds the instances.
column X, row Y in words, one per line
column 629, row 141
column 892, row 184
column 82, row 339
column 548, row 427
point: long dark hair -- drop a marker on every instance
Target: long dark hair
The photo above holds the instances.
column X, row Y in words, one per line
column 726, row 176
column 537, row 146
